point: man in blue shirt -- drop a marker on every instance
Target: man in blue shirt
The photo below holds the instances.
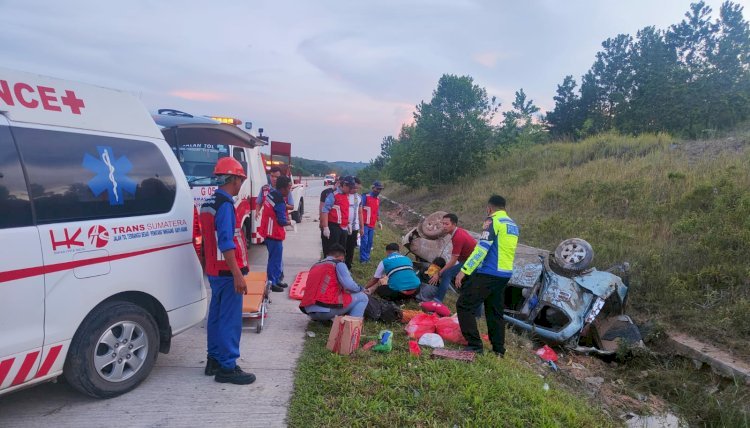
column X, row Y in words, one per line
column 359, row 300
column 226, row 267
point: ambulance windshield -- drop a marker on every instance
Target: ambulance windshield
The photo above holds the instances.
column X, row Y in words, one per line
column 198, row 161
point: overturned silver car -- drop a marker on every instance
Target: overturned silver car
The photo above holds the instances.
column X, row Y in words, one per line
column 556, row 296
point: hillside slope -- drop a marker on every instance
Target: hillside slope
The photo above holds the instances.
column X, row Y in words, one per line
column 678, row 211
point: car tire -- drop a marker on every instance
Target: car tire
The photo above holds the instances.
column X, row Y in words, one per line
column 122, row 332
column 574, row 255
column 432, row 225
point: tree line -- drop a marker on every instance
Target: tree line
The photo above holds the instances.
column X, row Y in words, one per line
column 690, row 80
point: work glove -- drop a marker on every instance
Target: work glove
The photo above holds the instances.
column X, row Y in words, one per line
column 327, row 232
column 349, row 229
column 380, row 224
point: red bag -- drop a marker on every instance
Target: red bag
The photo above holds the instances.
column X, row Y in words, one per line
column 421, row 324
column 546, row 353
column 450, row 331
column 436, row 307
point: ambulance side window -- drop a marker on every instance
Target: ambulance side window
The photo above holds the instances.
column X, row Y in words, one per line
column 81, row 177
column 14, row 195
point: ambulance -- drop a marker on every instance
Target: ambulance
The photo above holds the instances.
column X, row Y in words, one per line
column 198, row 144
column 100, row 262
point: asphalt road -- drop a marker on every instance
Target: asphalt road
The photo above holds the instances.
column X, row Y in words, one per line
column 177, row 394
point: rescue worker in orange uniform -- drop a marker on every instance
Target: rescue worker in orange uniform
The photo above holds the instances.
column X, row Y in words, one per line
column 226, row 266
column 330, row 289
column 273, row 218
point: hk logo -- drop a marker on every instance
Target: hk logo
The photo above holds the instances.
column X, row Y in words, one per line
column 98, row 236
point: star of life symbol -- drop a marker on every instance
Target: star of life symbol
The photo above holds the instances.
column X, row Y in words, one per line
column 111, row 175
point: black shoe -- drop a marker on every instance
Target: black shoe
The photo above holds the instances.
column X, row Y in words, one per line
column 235, row 376
column 277, row 289
column 473, row 349
column 212, row 366
column 283, row 285
column 500, row 354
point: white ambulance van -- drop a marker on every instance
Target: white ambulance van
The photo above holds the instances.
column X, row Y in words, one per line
column 100, row 244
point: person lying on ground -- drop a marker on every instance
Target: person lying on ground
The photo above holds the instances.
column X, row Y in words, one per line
column 330, row 289
column 397, row 271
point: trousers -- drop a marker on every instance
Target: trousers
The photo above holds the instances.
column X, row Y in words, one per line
column 224, row 323
column 365, row 244
column 351, row 244
column 446, row 279
column 275, row 265
column 356, row 309
column 490, row 290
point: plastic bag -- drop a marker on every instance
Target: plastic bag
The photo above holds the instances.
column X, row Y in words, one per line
column 436, row 307
column 421, row 324
column 450, row 331
column 546, row 353
column 432, row 340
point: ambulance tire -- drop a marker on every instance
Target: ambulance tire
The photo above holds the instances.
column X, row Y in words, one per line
column 297, row 215
column 247, row 232
column 79, row 369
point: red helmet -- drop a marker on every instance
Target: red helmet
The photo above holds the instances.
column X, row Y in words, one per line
column 229, row 166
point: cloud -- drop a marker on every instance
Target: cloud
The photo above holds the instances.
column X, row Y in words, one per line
column 489, row 59
column 199, row 96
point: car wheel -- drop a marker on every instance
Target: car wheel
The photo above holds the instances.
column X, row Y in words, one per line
column 574, row 254
column 113, row 351
column 301, row 207
column 432, row 225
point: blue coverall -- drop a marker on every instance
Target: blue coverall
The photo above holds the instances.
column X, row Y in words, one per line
column 224, row 324
column 275, row 247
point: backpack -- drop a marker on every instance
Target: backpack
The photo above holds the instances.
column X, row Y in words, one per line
column 382, row 310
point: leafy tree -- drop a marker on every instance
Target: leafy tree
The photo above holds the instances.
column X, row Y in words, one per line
column 449, row 138
column 565, row 119
column 518, row 124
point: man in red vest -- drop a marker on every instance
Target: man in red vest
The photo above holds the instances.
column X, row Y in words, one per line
column 334, row 217
column 370, row 217
column 273, row 218
column 226, row 266
column 330, row 289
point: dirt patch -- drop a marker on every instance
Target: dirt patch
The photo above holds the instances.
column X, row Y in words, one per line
column 697, row 150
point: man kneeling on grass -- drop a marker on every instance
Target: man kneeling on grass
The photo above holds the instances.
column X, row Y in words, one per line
column 402, row 281
column 330, row 289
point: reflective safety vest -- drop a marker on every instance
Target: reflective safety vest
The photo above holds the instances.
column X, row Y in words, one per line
column 269, row 224
column 400, row 271
column 323, row 288
column 339, row 213
column 216, row 265
column 370, row 209
column 496, row 249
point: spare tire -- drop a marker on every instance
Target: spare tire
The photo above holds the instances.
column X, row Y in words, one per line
column 574, row 254
column 432, row 225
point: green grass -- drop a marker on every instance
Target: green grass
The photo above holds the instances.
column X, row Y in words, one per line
column 396, row 389
column 678, row 211
column 680, row 218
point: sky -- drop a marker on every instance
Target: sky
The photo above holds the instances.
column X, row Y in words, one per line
column 332, row 77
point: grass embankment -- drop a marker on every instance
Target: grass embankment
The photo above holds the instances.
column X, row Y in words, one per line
column 678, row 211
column 396, row 389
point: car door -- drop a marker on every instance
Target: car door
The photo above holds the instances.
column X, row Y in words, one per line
column 21, row 272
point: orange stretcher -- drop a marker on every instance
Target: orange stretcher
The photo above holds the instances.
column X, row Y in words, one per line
column 255, row 302
column 297, row 290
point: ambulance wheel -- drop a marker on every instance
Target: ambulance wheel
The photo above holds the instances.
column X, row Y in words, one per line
column 297, row 215
column 113, row 350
